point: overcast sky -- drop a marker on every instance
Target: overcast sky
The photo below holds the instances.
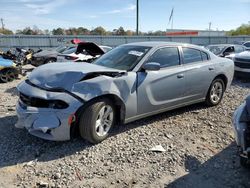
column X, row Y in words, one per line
column 154, row 14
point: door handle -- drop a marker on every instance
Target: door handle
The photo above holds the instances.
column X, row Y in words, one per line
column 210, row 68
column 180, row 76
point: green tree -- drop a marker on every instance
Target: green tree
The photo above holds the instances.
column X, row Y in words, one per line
column 58, row 31
column 98, row 31
column 244, row 29
column 6, row 32
column 82, row 31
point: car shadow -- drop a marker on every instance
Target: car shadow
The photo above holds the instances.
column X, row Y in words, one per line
column 221, row 170
column 18, row 146
column 12, row 91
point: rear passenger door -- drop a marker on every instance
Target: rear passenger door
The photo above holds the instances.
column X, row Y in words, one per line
column 199, row 73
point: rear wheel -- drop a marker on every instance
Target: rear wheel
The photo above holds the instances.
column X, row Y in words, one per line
column 215, row 92
column 97, row 121
column 8, row 75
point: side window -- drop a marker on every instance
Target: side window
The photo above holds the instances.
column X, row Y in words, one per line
column 247, row 44
column 191, row 55
column 239, row 49
column 167, row 57
column 229, row 50
column 204, row 56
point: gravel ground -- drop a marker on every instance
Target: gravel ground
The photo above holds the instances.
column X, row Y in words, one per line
column 199, row 144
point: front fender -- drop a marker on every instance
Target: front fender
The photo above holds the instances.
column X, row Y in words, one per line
column 124, row 87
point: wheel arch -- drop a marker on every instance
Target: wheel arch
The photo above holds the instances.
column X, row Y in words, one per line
column 117, row 101
column 223, row 77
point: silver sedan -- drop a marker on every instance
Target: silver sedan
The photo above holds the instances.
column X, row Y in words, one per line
column 129, row 82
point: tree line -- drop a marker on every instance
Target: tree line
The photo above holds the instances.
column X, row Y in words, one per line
column 244, row 29
column 78, row 31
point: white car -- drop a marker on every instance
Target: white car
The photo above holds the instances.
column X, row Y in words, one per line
column 85, row 51
column 242, row 64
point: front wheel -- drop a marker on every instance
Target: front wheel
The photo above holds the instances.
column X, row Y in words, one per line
column 97, row 121
column 215, row 92
column 8, row 75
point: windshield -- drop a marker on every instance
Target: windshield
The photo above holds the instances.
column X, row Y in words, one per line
column 60, row 49
column 123, row 57
column 216, row 49
column 70, row 51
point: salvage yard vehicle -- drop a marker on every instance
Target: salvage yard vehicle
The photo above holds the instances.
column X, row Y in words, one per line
column 226, row 50
column 48, row 56
column 242, row 64
column 241, row 120
column 247, row 45
column 128, row 83
column 8, row 70
column 84, row 52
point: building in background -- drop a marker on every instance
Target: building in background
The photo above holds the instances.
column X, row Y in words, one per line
column 187, row 32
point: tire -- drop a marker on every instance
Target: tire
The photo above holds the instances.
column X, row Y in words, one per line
column 8, row 75
column 91, row 123
column 215, row 92
column 245, row 162
column 52, row 60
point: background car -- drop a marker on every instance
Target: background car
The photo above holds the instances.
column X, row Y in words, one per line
column 48, row 56
column 247, row 45
column 241, row 120
column 8, row 70
column 129, row 82
column 85, row 51
column 226, row 50
column 242, row 64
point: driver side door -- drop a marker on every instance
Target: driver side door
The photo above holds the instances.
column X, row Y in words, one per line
column 162, row 89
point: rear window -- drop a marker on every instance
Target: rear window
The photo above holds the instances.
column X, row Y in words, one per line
column 191, row 55
column 70, row 51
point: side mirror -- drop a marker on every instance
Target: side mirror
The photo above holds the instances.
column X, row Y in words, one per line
column 151, row 66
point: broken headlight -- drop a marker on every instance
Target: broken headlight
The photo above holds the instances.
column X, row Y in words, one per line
column 42, row 103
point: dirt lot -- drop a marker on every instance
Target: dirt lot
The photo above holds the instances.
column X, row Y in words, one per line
column 199, row 143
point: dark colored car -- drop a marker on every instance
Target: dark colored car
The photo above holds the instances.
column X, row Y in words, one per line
column 48, row 56
column 226, row 50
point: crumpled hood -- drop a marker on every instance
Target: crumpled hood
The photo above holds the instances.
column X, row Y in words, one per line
column 63, row 75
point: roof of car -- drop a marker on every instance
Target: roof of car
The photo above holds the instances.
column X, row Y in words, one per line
column 226, row 45
column 159, row 44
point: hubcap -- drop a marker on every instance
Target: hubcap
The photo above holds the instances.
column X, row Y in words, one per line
column 104, row 120
column 8, row 76
column 216, row 92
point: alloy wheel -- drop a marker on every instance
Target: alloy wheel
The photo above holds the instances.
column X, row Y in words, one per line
column 104, row 120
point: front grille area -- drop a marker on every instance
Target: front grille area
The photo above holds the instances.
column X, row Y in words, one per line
column 242, row 65
column 42, row 103
column 242, row 60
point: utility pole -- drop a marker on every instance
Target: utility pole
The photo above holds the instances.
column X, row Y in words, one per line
column 137, row 17
column 2, row 23
column 209, row 27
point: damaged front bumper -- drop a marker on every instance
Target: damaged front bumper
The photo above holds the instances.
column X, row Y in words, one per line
column 45, row 121
column 242, row 130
